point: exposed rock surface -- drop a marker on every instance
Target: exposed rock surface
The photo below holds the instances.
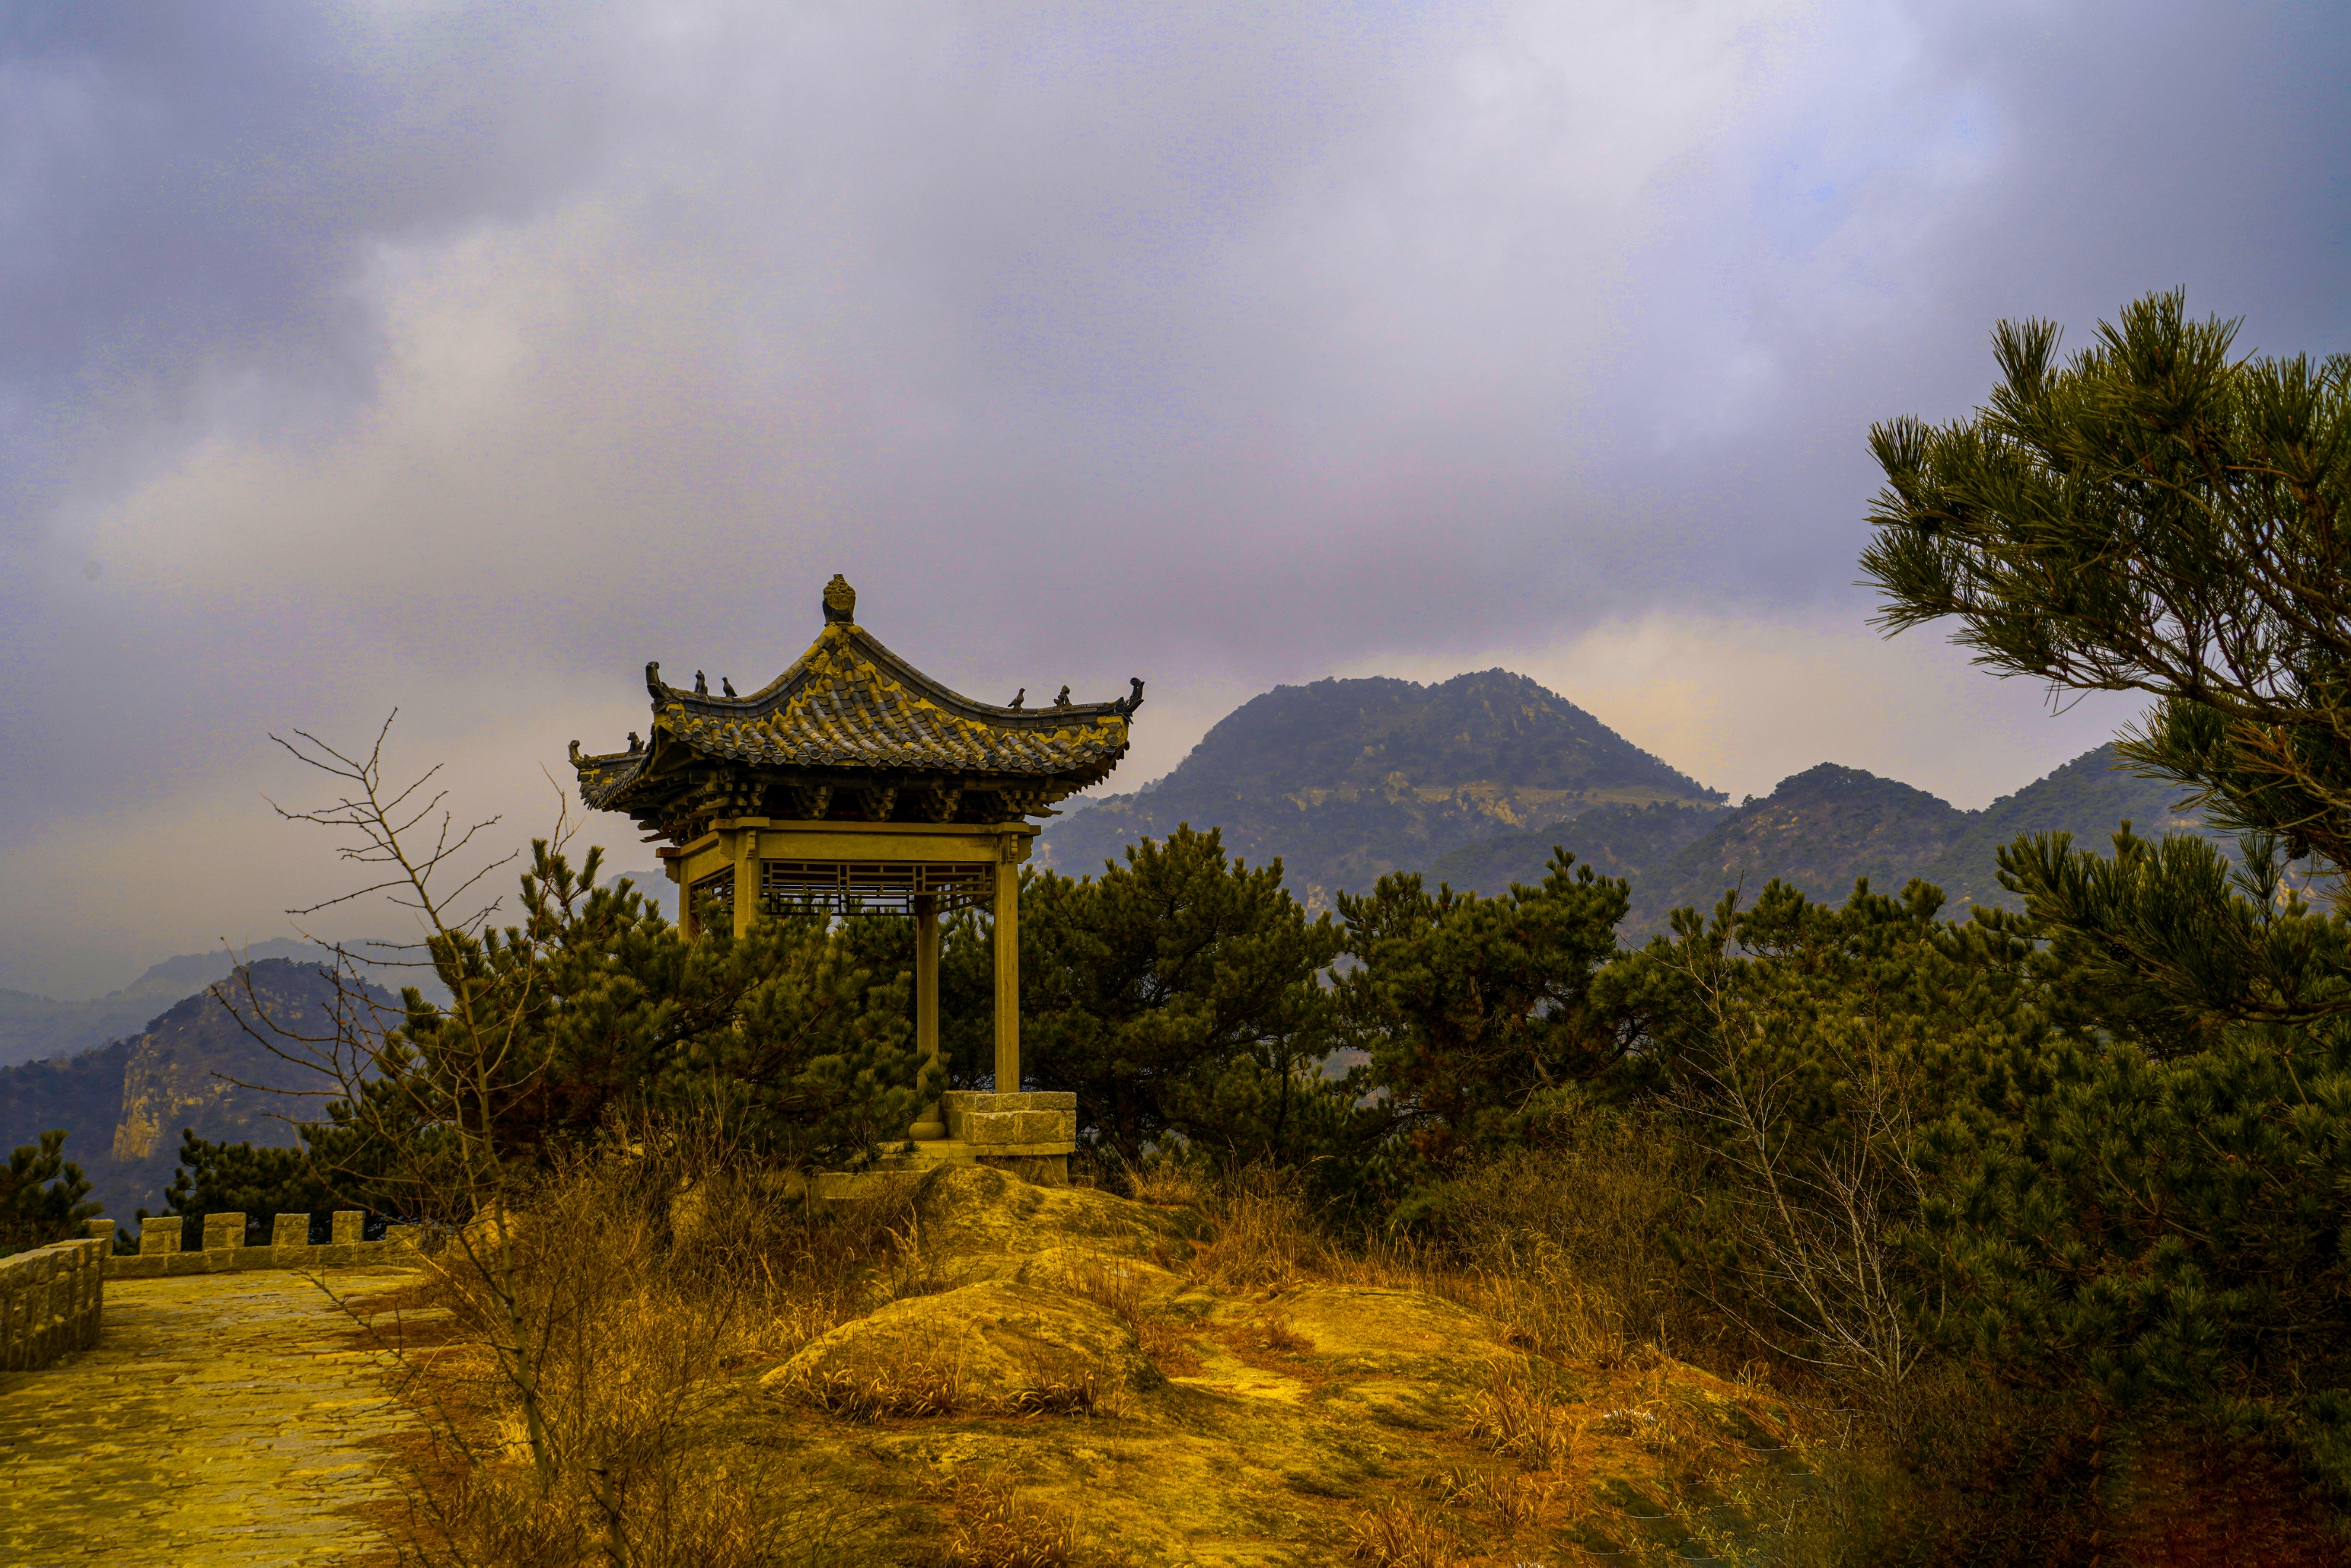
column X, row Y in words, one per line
column 1073, row 1341
column 999, row 1345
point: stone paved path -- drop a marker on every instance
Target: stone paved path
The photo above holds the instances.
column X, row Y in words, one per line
column 223, row 1418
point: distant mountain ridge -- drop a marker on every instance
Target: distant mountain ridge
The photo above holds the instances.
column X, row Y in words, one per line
column 1824, row 828
column 33, row 1028
column 1473, row 780
column 1819, row 830
column 194, row 1065
column 1829, row 825
column 1347, row 780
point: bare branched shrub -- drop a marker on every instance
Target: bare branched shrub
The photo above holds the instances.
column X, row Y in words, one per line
column 1810, row 1213
column 645, row 1303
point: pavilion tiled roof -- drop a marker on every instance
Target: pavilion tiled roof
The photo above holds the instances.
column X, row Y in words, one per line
column 850, row 712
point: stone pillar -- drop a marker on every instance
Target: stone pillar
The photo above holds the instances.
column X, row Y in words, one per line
column 927, row 1123
column 349, row 1227
column 290, row 1230
column 1008, row 970
column 746, row 879
column 159, row 1233
column 223, row 1231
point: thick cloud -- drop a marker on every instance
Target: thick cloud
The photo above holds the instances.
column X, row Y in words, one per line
column 465, row 360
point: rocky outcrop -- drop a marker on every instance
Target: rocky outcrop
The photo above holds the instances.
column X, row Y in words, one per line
column 999, row 1345
column 1078, row 1354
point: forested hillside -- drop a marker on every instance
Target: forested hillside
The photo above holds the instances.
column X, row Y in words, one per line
column 2088, row 798
column 1818, row 831
column 1348, row 780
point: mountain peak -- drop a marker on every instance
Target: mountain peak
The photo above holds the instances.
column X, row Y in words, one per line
column 1346, row 778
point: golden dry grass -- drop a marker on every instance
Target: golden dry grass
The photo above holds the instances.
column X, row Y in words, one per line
column 1398, row 1535
column 991, row 1523
column 1519, row 1418
column 625, row 1311
column 1112, row 1282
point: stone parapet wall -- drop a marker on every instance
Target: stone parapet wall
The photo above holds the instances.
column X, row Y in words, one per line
column 50, row 1303
column 160, row 1253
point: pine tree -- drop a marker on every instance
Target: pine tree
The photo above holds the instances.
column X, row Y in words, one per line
column 42, row 1195
column 1181, row 994
column 2161, row 1212
column 1474, row 1010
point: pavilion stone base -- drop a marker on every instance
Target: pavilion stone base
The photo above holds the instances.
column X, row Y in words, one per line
column 1030, row 1135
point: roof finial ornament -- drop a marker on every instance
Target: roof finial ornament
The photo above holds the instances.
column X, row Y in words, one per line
column 701, row 686
column 634, row 744
column 727, row 686
column 1017, row 697
column 840, row 601
column 1135, row 701
column 1063, row 700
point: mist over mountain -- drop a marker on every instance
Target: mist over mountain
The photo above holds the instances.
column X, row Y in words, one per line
column 33, row 1027
column 1348, row 780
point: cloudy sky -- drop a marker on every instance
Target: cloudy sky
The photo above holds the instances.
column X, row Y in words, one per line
column 459, row 358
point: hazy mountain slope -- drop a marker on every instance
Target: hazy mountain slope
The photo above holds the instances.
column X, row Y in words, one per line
column 81, row 1093
column 1347, row 780
column 1819, row 830
column 2088, row 798
column 1614, row 840
column 124, row 1105
column 33, row 1028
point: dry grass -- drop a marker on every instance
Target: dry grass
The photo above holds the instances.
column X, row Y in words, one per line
column 625, row 1310
column 1111, row 1282
column 1517, row 1416
column 1168, row 1184
column 1563, row 1240
column 991, row 1524
column 912, row 1385
column 1267, row 1236
column 1395, row 1535
column 1571, row 1275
